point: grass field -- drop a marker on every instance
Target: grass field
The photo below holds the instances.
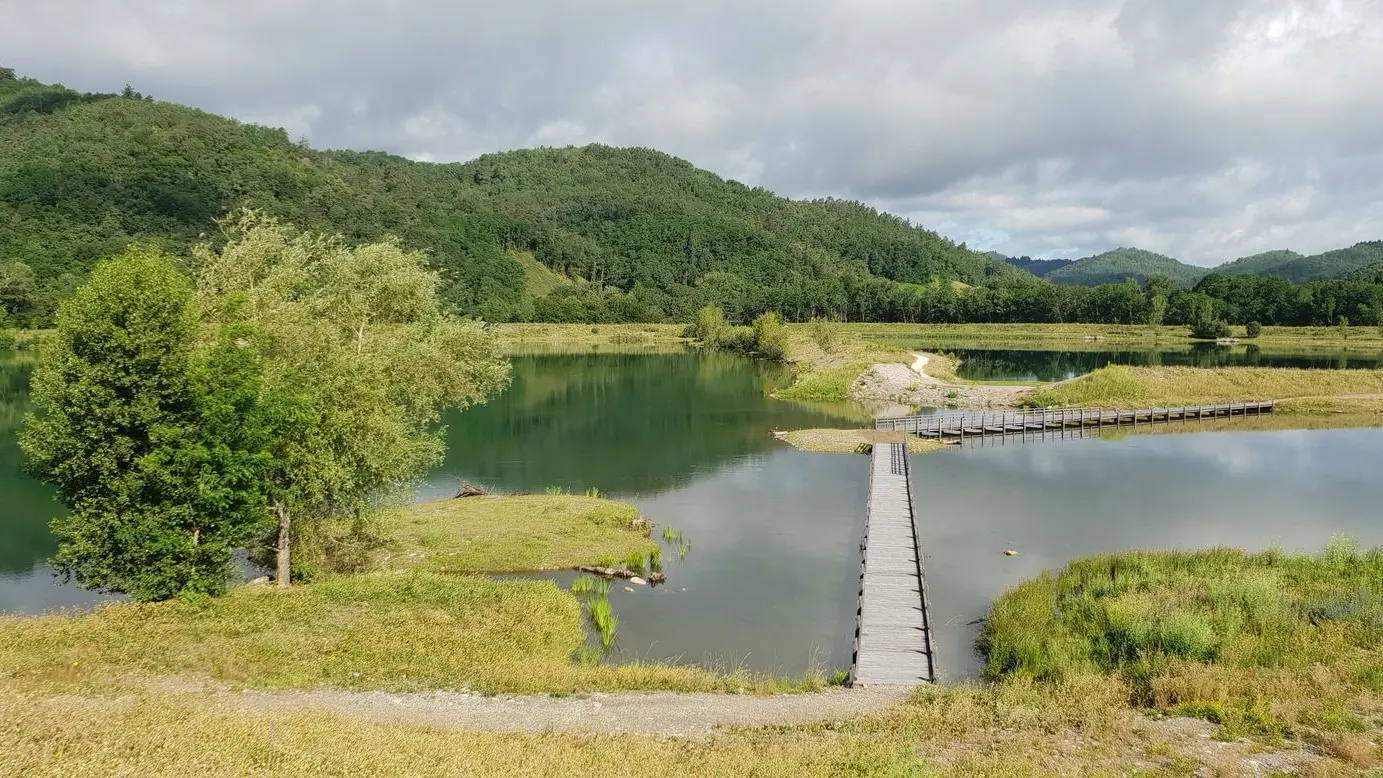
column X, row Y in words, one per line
column 827, row 359
column 1314, row 391
column 1268, row 645
column 1279, row 654
column 508, row 534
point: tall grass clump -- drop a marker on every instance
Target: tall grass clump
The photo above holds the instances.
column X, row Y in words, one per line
column 1218, row 633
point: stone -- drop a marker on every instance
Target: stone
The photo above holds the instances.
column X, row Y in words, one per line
column 263, row 580
column 637, row 581
column 629, row 588
column 1010, row 552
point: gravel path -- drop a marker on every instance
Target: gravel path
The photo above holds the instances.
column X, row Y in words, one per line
column 659, row 713
column 911, row 386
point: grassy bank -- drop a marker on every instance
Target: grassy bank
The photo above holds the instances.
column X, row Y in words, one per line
column 1018, row 730
column 827, row 358
column 1067, row 336
column 589, row 338
column 422, row 622
column 1268, row 645
column 854, row 441
column 1277, row 657
column 1312, row 391
column 513, row 534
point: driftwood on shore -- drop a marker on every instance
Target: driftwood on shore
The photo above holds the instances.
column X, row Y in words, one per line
column 469, row 490
column 608, row 572
column 619, row 572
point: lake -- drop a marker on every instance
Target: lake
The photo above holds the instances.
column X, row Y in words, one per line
column 1024, row 365
column 770, row 580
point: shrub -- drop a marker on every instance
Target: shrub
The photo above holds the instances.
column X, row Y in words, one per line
column 1253, row 329
column 1211, row 330
column 9, row 340
column 708, row 326
column 824, row 336
column 737, row 339
column 770, row 338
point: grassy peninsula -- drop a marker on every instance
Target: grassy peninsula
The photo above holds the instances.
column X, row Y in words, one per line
column 423, row 616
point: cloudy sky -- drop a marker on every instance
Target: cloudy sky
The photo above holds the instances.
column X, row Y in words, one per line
column 1206, row 129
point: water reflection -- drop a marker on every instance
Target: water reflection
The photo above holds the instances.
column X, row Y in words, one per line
column 1053, row 503
column 1059, row 365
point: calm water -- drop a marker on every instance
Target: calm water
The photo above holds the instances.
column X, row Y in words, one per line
column 1056, row 501
column 770, row 580
column 1052, row 365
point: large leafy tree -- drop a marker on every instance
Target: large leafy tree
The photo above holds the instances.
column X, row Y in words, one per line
column 150, row 434
column 359, row 360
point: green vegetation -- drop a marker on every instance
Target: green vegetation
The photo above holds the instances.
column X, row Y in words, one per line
column 1289, row 265
column 1119, row 386
column 539, row 280
column 1114, row 267
column 1211, row 330
column 510, row 534
column 1263, row 644
column 413, row 631
column 641, row 235
column 154, row 444
column 766, row 337
column 301, row 378
column 590, row 234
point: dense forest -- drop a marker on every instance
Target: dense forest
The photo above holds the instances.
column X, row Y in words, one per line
column 639, row 233
column 1124, row 263
column 592, row 234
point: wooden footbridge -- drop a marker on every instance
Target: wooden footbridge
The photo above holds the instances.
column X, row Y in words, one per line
column 957, row 427
column 893, row 630
column 893, row 637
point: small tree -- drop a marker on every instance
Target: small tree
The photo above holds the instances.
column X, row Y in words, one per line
column 1253, row 329
column 709, row 326
column 359, row 360
column 147, row 437
column 1343, row 326
column 770, row 337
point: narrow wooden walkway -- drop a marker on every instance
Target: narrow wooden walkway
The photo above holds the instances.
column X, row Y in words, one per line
column 957, row 427
column 893, row 639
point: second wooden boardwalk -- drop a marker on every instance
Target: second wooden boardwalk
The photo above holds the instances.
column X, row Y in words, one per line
column 893, row 638
column 956, row 427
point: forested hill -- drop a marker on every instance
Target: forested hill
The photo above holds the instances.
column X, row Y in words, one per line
column 1115, row 266
column 1340, row 263
column 1038, row 267
column 639, row 234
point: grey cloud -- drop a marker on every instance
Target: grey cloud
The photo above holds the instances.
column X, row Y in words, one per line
column 1202, row 128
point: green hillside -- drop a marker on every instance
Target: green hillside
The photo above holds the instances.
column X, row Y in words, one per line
column 1340, row 263
column 83, row 175
column 1038, row 267
column 1258, row 264
column 1372, row 273
column 1116, row 266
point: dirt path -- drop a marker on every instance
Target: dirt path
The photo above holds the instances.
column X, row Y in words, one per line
column 911, row 385
column 658, row 713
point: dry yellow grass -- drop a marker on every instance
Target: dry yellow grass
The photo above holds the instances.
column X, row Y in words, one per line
column 851, row 441
column 513, row 533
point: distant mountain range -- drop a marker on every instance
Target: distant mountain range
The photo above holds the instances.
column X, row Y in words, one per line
column 1362, row 261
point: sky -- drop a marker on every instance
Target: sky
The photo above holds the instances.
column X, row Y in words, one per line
column 1203, row 129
